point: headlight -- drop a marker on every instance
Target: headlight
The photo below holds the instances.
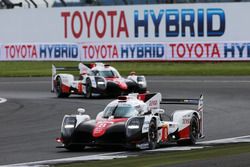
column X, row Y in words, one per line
column 68, row 126
column 101, row 83
column 69, row 122
column 133, row 127
column 141, row 81
column 134, row 124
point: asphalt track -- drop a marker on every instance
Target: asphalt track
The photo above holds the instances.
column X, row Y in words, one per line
column 30, row 119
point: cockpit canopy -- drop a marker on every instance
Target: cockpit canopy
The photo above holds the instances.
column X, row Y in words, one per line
column 106, row 73
column 121, row 110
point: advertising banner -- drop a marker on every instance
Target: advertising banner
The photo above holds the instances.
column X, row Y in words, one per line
column 123, row 52
column 37, row 52
column 203, row 51
column 171, row 32
column 137, row 23
column 214, row 51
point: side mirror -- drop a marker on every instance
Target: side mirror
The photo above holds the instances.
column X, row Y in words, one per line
column 81, row 111
column 158, row 111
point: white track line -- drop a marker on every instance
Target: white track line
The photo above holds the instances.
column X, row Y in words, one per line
column 241, row 139
column 2, row 100
column 114, row 155
column 106, row 156
column 183, row 148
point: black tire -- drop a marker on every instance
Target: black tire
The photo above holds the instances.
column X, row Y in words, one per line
column 88, row 89
column 75, row 148
column 194, row 132
column 152, row 135
column 131, row 146
column 58, row 88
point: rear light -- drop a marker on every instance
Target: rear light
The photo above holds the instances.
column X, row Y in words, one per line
column 92, row 65
column 59, row 140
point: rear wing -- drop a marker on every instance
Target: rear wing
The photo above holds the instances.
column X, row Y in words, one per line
column 82, row 68
column 198, row 102
column 182, row 101
column 151, row 99
column 56, row 69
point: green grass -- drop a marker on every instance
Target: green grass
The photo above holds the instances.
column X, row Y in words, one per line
column 169, row 158
column 11, row 69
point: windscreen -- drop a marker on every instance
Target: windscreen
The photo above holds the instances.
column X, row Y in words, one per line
column 120, row 111
column 107, row 73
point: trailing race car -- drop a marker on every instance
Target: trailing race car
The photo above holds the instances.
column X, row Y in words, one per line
column 134, row 121
column 95, row 79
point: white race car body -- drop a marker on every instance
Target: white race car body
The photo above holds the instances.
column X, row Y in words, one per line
column 94, row 80
column 134, row 121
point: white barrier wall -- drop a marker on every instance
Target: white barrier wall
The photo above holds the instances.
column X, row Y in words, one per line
column 179, row 32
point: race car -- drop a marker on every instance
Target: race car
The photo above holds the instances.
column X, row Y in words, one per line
column 96, row 79
column 134, row 121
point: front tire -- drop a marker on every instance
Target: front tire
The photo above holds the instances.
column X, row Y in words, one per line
column 152, row 135
column 75, row 148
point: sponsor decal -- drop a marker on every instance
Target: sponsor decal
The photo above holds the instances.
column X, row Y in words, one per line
column 59, row 51
column 193, row 50
column 192, row 22
column 186, row 121
column 24, row 51
column 40, row 52
column 100, row 51
column 142, row 51
column 176, row 22
column 213, row 51
column 209, row 51
column 153, row 103
column 78, row 24
column 123, row 51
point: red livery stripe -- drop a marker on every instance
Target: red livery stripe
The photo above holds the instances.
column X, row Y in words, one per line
column 184, row 133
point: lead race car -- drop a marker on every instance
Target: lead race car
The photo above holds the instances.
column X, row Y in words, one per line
column 134, row 121
column 95, row 79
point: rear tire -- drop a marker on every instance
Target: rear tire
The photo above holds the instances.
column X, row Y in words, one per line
column 193, row 134
column 58, row 88
column 75, row 148
column 152, row 135
column 88, row 89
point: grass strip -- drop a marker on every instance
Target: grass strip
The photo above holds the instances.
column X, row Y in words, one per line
column 34, row 69
column 168, row 158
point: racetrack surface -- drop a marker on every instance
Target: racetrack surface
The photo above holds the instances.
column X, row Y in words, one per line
column 31, row 117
